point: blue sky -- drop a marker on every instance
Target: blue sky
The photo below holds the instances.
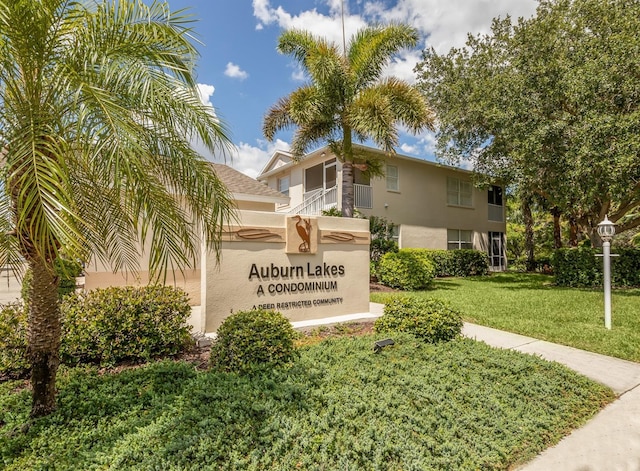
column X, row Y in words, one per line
column 241, row 74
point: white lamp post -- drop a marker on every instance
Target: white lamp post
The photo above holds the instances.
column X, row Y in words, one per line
column 606, row 229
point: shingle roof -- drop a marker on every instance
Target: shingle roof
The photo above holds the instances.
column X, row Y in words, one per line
column 244, row 187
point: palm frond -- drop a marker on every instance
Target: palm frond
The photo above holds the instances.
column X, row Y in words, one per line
column 371, row 48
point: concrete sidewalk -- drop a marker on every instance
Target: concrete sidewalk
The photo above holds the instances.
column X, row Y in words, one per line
column 608, row 442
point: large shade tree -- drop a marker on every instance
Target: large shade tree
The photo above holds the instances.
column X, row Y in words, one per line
column 551, row 104
column 347, row 97
column 98, row 105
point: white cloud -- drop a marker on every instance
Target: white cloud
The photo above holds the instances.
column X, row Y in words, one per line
column 206, row 91
column 298, row 74
column 446, row 23
column 442, row 24
column 234, row 71
column 250, row 160
column 409, row 149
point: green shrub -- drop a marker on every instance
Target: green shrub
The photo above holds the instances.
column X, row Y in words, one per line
column 406, row 269
column 13, row 340
column 110, row 325
column 248, row 339
column 431, row 320
column 467, row 262
column 577, row 267
column 442, row 260
column 581, row 267
column 461, row 262
column 625, row 268
column 382, row 238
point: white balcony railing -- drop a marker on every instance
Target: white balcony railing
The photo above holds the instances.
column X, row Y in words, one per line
column 363, row 196
column 319, row 200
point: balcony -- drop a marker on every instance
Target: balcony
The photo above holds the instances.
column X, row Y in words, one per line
column 496, row 213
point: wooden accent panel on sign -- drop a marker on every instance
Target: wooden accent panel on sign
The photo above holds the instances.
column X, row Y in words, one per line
column 340, row 237
column 254, row 234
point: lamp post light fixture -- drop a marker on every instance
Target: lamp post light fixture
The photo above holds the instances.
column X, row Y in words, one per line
column 606, row 230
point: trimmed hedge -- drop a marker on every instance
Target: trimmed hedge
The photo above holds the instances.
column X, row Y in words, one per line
column 406, row 269
column 104, row 326
column 110, row 325
column 582, row 268
column 431, row 320
column 577, row 267
column 460, row 262
column 248, row 339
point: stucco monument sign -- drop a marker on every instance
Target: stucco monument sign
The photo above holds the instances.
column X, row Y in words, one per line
column 305, row 267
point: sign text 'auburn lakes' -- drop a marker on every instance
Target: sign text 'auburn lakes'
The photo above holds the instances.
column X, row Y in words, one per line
column 292, row 279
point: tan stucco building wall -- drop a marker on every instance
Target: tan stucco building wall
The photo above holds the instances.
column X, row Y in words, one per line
column 419, row 207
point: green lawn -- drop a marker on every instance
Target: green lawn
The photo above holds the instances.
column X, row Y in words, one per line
column 529, row 304
column 414, row 406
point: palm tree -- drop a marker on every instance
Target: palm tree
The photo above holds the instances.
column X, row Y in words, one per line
column 98, row 106
column 347, row 97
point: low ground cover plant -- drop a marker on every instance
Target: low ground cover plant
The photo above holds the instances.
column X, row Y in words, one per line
column 250, row 339
column 431, row 320
column 13, row 340
column 414, row 406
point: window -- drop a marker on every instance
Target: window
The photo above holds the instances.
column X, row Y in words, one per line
column 495, row 195
column 392, row 178
column 320, row 176
column 459, row 192
column 459, row 239
column 283, row 185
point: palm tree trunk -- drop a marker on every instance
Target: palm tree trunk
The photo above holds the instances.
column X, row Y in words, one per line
column 348, row 203
column 347, row 189
column 43, row 336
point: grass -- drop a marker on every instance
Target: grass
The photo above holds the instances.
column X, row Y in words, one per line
column 529, row 304
column 414, row 406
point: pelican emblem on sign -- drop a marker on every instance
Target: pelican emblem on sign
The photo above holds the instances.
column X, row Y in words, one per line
column 303, row 227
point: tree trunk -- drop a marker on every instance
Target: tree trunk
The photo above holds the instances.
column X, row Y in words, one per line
column 347, row 189
column 573, row 232
column 43, row 336
column 557, row 234
column 528, row 234
column 348, row 203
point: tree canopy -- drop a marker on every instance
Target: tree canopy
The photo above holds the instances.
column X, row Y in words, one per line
column 98, row 105
column 348, row 98
column 550, row 104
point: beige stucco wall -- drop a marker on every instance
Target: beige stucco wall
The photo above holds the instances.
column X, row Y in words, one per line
column 434, row 238
column 234, row 285
column 420, row 206
column 190, row 281
column 256, row 206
